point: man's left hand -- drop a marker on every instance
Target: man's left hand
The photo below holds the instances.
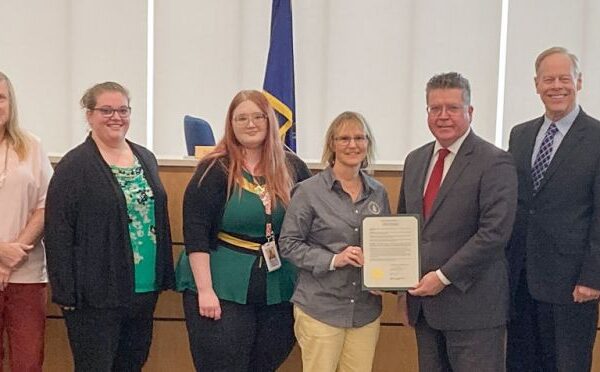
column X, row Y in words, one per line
column 584, row 294
column 429, row 285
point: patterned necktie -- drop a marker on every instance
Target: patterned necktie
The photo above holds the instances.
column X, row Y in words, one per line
column 542, row 160
column 435, row 180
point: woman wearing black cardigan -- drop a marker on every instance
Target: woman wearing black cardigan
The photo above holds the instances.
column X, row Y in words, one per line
column 107, row 238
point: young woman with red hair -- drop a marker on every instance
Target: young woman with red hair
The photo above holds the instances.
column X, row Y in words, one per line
column 236, row 298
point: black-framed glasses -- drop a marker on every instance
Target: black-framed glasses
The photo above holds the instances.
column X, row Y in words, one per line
column 108, row 112
column 345, row 140
column 245, row 119
column 451, row 110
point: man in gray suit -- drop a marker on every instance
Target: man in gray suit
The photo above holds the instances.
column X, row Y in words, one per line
column 465, row 189
column 554, row 252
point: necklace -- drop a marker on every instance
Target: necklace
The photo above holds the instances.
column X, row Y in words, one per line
column 5, row 168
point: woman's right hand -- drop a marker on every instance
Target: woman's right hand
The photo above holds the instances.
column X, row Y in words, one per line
column 4, row 276
column 12, row 254
column 351, row 255
column 209, row 305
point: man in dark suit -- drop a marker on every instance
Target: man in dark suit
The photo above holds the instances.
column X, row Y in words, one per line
column 554, row 252
column 466, row 191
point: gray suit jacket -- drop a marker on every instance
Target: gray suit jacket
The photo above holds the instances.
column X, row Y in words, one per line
column 466, row 234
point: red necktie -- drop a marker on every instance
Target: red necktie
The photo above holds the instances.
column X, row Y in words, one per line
column 435, row 180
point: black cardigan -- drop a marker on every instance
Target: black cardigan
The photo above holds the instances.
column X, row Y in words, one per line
column 88, row 251
column 204, row 204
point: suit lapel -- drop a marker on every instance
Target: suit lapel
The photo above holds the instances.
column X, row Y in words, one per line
column 528, row 138
column 574, row 137
column 417, row 181
column 461, row 161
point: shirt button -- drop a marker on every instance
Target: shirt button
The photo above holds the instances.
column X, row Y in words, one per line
column 356, row 229
column 356, row 211
column 353, row 283
column 532, row 211
column 352, row 301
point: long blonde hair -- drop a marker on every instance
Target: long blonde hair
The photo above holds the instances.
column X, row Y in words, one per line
column 273, row 163
column 14, row 135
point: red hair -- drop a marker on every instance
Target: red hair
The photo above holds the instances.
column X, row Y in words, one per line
column 272, row 165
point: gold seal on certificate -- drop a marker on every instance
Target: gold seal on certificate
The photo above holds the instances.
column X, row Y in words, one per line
column 391, row 250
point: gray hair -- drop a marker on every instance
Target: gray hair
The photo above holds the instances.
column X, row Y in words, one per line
column 559, row 50
column 450, row 80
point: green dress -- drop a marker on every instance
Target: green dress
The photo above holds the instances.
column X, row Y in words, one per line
column 244, row 215
column 142, row 225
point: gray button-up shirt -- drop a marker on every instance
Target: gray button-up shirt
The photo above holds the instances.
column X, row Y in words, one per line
column 321, row 221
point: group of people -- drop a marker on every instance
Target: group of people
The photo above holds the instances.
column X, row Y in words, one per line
column 509, row 241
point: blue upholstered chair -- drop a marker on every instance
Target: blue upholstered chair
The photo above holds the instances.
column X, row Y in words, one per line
column 197, row 133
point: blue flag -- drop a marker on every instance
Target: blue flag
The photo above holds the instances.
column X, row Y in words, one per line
column 279, row 76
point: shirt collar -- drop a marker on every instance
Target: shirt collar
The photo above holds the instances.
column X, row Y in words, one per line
column 563, row 125
column 330, row 181
column 453, row 147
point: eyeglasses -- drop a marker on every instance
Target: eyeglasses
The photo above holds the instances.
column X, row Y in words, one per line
column 451, row 110
column 257, row 118
column 108, row 112
column 345, row 140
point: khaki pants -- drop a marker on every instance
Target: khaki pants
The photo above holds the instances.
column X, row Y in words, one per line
column 329, row 349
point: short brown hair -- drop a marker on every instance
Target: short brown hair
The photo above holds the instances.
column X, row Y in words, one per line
column 450, row 80
column 89, row 98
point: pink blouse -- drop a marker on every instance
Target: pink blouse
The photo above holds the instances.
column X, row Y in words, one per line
column 23, row 192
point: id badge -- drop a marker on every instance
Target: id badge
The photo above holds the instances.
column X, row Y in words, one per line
column 271, row 255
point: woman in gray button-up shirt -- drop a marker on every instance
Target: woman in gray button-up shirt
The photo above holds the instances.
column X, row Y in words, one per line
column 337, row 323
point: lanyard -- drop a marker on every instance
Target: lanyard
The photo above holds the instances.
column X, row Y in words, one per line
column 261, row 190
column 265, row 198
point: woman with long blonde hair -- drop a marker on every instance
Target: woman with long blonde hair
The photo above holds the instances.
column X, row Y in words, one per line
column 236, row 295
column 24, row 175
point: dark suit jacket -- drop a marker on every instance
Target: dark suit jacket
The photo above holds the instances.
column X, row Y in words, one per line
column 557, row 231
column 465, row 236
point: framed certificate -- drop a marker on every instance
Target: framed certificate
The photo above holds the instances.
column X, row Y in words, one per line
column 391, row 249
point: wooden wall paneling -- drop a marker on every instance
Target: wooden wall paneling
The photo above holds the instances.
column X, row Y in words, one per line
column 391, row 182
column 57, row 354
column 396, row 350
column 391, row 314
column 170, row 349
column 169, row 303
column 294, row 361
column 596, row 355
column 175, row 180
column 169, row 306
